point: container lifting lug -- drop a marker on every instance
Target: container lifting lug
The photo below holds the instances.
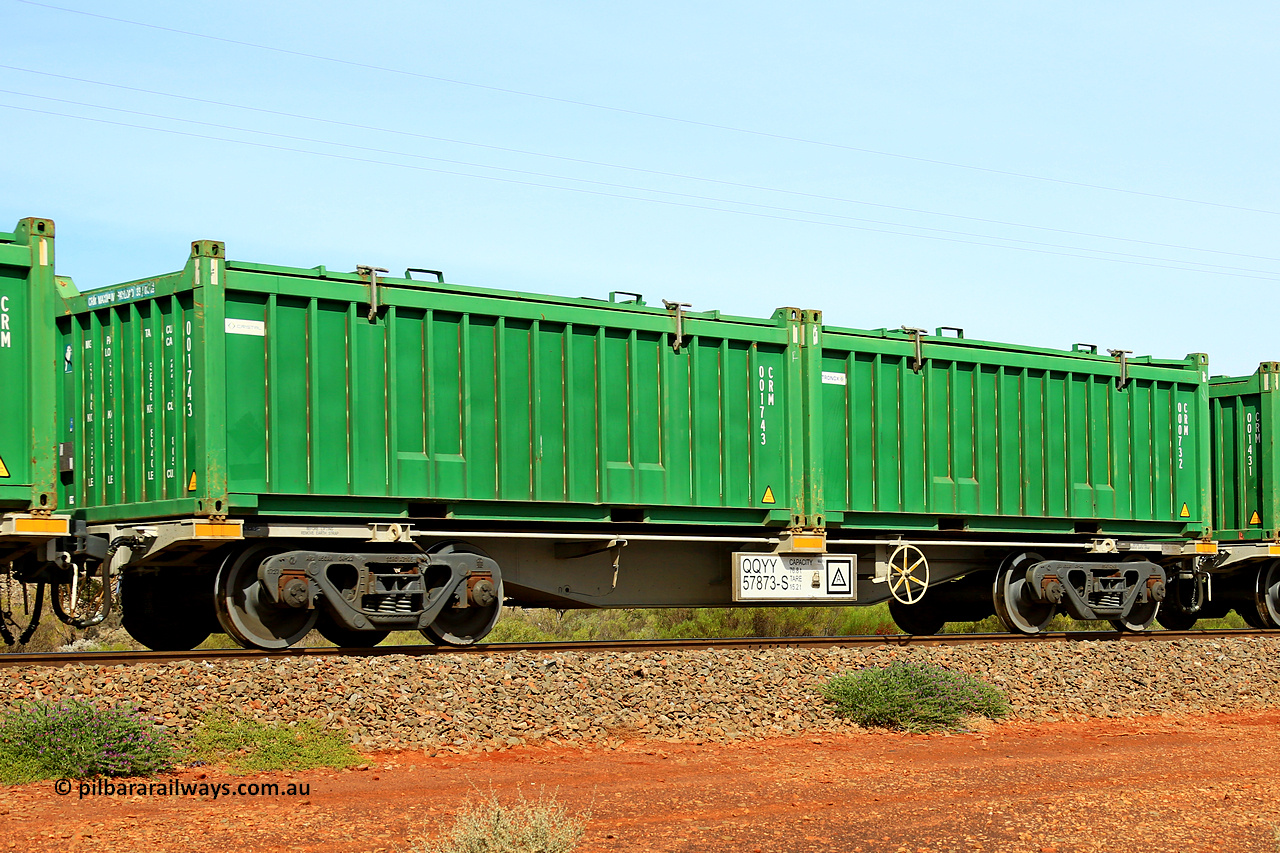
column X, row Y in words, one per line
column 1123, row 379
column 677, row 307
column 411, row 270
column 372, row 272
column 917, row 336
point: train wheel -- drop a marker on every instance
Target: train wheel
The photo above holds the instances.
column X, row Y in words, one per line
column 1016, row 605
column 465, row 626
column 1139, row 618
column 164, row 614
column 1142, row 616
column 1250, row 616
column 921, row 619
column 247, row 614
column 345, row 638
column 1266, row 596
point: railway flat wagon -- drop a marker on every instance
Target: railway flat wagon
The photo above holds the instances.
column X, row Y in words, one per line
column 262, row 450
column 29, row 519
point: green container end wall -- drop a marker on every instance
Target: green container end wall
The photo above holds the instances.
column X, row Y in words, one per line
column 986, row 435
column 130, row 399
column 244, row 388
column 1245, row 412
column 28, row 417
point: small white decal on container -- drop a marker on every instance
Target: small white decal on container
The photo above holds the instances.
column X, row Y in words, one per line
column 246, row 327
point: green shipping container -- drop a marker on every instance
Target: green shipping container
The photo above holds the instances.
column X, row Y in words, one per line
column 925, row 432
column 242, row 389
column 28, row 360
column 1246, row 466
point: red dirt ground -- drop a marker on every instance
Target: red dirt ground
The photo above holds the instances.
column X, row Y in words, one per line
column 1184, row 784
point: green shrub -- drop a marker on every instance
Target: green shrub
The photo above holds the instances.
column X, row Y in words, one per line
column 249, row 746
column 74, row 739
column 914, row 696
column 540, row 826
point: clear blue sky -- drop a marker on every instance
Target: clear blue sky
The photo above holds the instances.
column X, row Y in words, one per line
column 1149, row 129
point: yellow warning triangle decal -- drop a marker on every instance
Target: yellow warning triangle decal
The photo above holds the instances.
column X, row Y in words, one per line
column 1253, row 519
column 768, row 496
column 4, row 472
column 191, row 487
column 1186, row 513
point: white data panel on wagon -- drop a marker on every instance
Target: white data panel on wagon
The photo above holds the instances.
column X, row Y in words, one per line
column 795, row 577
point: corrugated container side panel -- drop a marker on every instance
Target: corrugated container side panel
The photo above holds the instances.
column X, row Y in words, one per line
column 1104, row 457
column 369, row 466
column 330, row 399
column 1055, row 475
column 912, row 424
column 615, row 420
column 1035, row 482
column 647, row 420
column 986, row 459
column 288, row 469
column 480, row 409
column 408, row 357
column 549, row 399
column 676, row 424
column 1143, row 448
column 1122, row 441
column 583, row 442
column 1170, row 456
column 969, row 438
column 896, row 453
column 707, row 415
column 938, row 439
column 736, row 394
column 429, row 404
column 1012, row 462
column 1075, row 423
column 445, row 377
column 250, row 371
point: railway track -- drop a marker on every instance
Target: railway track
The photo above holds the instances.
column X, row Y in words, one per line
column 117, row 658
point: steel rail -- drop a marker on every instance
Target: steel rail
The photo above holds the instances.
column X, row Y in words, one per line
column 117, row 658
